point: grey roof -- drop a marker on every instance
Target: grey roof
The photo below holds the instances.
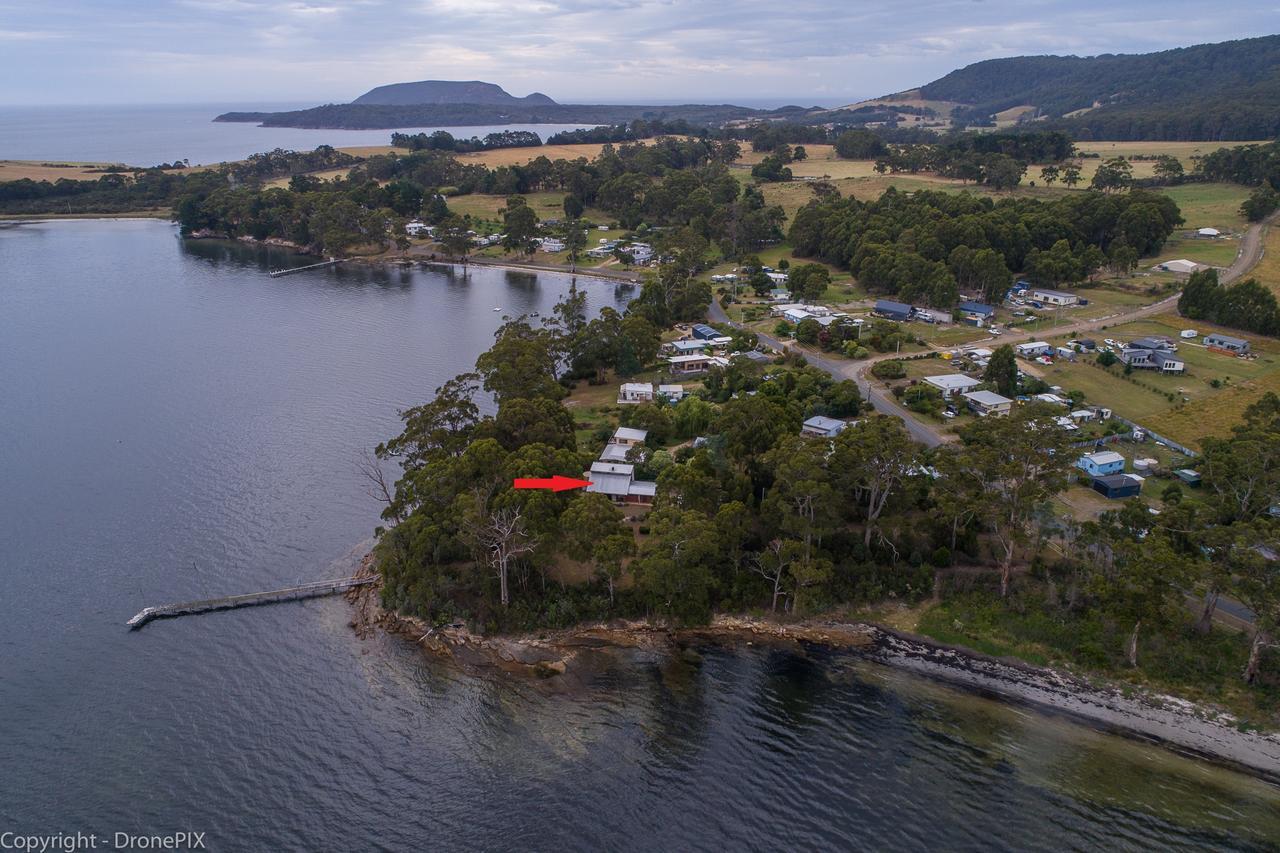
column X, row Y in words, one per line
column 825, row 423
column 614, row 453
column 952, row 381
column 1114, row 480
column 1162, row 357
column 610, row 484
column 1152, row 342
column 1103, row 457
column 987, row 398
column 1226, row 339
column 612, row 468
column 689, row 346
column 630, row 433
column 755, row 355
column 642, row 487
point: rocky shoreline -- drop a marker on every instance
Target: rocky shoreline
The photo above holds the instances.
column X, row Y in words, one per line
column 569, row 656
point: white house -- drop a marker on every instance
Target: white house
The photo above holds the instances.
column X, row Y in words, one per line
column 778, row 278
column 416, row 228
column 951, row 384
column 691, row 363
column 1033, row 349
column 1057, row 298
column 672, row 393
column 551, row 244
column 822, row 426
column 618, row 482
column 984, row 403
column 640, row 253
column 635, row 392
column 628, row 436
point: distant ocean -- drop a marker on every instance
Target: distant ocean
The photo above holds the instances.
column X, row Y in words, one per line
column 149, row 135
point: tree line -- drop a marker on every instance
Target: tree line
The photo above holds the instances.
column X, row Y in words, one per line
column 1246, row 305
column 930, row 245
column 443, row 140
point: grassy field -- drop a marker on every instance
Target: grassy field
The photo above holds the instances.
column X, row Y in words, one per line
column 1268, row 269
column 1210, row 205
column 1198, row 409
column 35, row 170
column 1215, row 253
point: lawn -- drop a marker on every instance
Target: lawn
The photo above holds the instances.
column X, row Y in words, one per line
column 1210, row 205
column 1268, row 269
column 1199, row 409
column 1215, row 253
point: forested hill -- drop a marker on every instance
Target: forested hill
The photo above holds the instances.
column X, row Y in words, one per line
column 449, row 92
column 368, row 116
column 1226, row 91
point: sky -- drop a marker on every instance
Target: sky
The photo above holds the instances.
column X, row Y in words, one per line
column 600, row 51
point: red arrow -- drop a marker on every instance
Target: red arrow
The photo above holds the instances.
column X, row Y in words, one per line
column 555, row 484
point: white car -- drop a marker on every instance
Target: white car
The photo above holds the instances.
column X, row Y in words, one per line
column 1112, row 343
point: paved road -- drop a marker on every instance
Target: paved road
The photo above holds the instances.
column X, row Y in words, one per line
column 931, row 435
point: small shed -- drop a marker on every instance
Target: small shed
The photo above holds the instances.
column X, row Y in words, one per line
column 1188, row 476
column 822, row 426
column 704, row 332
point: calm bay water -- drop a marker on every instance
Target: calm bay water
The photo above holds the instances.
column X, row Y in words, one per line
column 149, row 135
column 174, row 424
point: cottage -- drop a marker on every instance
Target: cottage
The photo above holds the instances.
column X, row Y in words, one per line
column 984, row 403
column 671, row 393
column 617, row 481
column 1101, row 463
column 628, row 436
column 975, row 313
column 1118, row 486
column 635, row 392
column 614, row 453
column 779, row 294
column 823, row 427
column 1226, row 343
column 1057, row 298
column 891, row 310
column 640, row 253
column 704, row 332
column 1167, row 362
column 1033, row 349
column 1155, row 342
column 1181, row 266
column 686, row 347
column 951, row 384
column 778, row 278
column 692, row 363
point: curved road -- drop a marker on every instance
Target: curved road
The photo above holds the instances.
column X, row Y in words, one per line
column 932, row 435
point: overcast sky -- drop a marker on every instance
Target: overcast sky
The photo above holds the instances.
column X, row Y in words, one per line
column 807, row 51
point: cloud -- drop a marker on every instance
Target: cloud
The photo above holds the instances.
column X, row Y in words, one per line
column 598, row 50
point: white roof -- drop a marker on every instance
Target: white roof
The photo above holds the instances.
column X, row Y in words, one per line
column 637, row 387
column 824, row 423
column 685, row 359
column 1033, row 345
column 980, row 352
column 670, row 389
column 1180, row 265
column 614, row 453
column 609, row 484
column 612, row 468
column 1209, row 232
column 952, row 381
column 1103, row 457
column 987, row 398
column 630, row 433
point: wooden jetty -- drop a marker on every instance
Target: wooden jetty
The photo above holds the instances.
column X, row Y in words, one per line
column 332, row 262
column 293, row 593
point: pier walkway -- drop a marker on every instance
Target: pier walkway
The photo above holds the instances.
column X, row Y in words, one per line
column 293, row 593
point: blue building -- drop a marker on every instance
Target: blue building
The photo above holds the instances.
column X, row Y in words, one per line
column 976, row 313
column 894, row 310
column 1101, row 463
column 704, row 332
column 1118, row 486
